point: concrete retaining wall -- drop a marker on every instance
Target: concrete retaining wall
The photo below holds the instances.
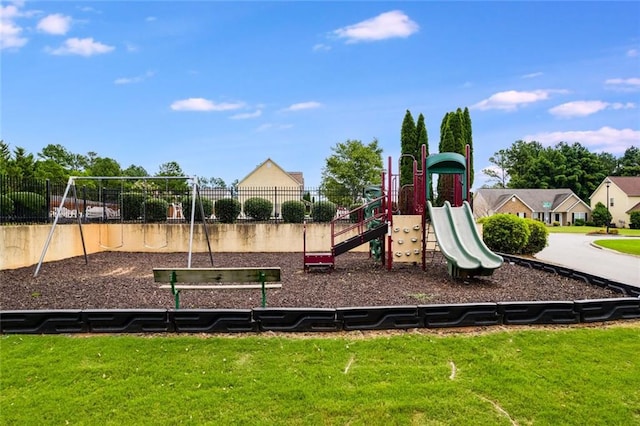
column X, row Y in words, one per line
column 22, row 246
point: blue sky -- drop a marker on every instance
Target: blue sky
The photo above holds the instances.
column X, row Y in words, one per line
column 219, row 87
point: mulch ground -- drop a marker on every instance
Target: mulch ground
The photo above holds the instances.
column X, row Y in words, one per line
column 118, row 280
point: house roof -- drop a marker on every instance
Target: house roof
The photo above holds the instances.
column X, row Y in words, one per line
column 635, row 208
column 532, row 198
column 296, row 176
column 630, row 185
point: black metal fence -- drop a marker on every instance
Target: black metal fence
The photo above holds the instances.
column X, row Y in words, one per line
column 31, row 201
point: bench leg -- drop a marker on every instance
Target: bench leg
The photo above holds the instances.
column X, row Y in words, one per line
column 176, row 293
column 176, row 297
column 264, row 291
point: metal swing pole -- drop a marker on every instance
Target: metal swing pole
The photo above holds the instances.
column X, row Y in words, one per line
column 53, row 226
column 193, row 216
column 204, row 224
column 84, row 247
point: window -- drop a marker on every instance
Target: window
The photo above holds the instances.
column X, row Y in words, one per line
column 611, row 202
column 522, row 214
column 579, row 215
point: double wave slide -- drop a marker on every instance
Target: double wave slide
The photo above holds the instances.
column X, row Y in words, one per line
column 460, row 242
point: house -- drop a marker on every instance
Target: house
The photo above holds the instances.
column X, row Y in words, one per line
column 270, row 181
column 623, row 193
column 547, row 205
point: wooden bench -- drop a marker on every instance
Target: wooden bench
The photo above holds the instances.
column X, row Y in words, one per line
column 243, row 278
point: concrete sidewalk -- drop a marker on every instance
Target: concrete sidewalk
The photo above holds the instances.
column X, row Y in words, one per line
column 575, row 251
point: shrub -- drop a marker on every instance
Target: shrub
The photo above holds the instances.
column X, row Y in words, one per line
column 155, row 210
column 131, row 205
column 6, row 206
column 589, row 223
column 227, row 210
column 29, row 205
column 579, row 222
column 634, row 222
column 538, row 237
column 207, row 206
column 258, row 208
column 601, row 216
column 556, row 223
column 293, row 211
column 505, row 233
column 323, row 211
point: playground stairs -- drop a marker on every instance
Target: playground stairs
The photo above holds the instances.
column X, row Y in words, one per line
column 319, row 260
column 357, row 240
column 326, row 260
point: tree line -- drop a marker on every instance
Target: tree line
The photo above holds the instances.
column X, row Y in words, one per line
column 354, row 165
column 57, row 163
column 573, row 166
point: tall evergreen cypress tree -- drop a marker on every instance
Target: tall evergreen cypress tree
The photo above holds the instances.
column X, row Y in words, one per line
column 408, row 141
column 422, row 138
column 445, row 182
column 456, row 124
column 467, row 122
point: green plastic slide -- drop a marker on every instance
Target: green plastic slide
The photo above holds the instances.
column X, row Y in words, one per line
column 460, row 243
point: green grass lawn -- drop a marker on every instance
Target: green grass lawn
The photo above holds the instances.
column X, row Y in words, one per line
column 624, row 245
column 589, row 229
column 550, row 376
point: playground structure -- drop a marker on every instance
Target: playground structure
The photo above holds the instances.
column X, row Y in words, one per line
column 408, row 235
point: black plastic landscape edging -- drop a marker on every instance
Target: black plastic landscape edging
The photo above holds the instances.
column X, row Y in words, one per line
column 326, row 320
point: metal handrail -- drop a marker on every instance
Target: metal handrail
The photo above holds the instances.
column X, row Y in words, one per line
column 361, row 224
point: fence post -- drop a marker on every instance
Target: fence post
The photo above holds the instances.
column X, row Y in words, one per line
column 84, row 202
column 275, row 204
column 47, row 185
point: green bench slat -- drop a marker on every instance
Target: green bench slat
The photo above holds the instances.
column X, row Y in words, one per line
column 220, row 275
column 220, row 286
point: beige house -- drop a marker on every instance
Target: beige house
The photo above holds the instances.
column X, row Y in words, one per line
column 546, row 205
column 624, row 197
column 272, row 182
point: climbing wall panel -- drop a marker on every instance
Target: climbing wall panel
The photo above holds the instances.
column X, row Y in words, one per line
column 406, row 234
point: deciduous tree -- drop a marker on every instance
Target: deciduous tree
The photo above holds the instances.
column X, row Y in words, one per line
column 352, row 166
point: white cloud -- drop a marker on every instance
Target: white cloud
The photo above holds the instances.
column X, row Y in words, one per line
column 511, row 100
column 585, row 108
column 303, row 105
column 88, row 9
column 620, row 105
column 626, row 84
column 81, row 46
column 10, row 32
column 632, row 53
column 271, row 126
column 578, row 108
column 384, row 26
column 201, row 104
column 150, row 18
column 320, row 47
column 246, row 115
column 605, row 139
column 131, row 47
column 56, row 24
column 136, row 79
column 532, row 75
